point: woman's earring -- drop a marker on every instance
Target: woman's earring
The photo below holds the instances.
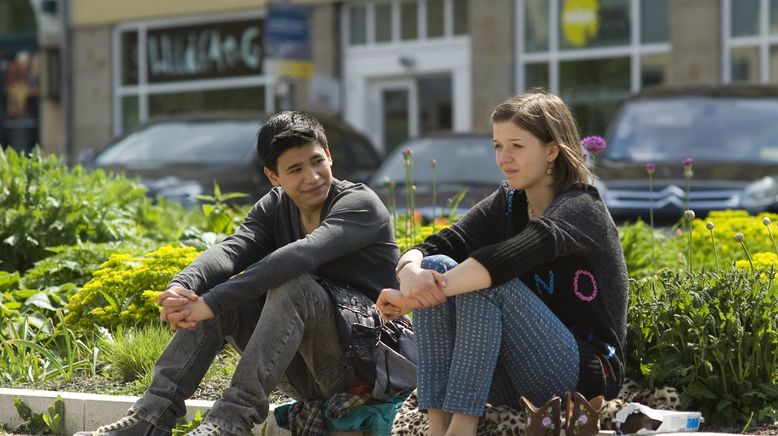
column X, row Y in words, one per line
column 549, row 171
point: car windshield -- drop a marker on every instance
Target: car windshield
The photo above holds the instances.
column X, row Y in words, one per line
column 459, row 160
column 184, row 142
column 708, row 129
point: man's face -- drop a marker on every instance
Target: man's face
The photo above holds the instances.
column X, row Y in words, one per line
column 305, row 173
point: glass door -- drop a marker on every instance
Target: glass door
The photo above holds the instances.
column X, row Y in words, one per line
column 396, row 116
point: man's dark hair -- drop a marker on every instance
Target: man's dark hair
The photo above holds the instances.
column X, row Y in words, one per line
column 286, row 130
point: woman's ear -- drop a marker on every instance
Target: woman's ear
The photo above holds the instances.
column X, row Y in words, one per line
column 552, row 151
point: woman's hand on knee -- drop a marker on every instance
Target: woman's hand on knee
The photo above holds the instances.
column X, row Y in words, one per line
column 423, row 286
column 392, row 304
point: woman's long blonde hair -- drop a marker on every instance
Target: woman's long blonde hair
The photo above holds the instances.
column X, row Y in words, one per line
column 547, row 117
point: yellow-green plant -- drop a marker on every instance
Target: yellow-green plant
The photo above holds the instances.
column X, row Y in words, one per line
column 122, row 292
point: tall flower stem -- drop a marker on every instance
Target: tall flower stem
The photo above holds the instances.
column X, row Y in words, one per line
column 650, row 168
column 391, row 185
column 766, row 222
column 709, row 226
column 689, row 215
column 739, row 238
column 433, row 165
column 410, row 224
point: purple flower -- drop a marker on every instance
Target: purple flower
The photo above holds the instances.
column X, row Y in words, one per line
column 594, row 144
column 433, row 163
column 546, row 421
column 407, row 153
column 687, row 167
column 650, row 167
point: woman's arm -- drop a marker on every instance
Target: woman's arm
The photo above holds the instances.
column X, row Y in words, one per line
column 419, row 285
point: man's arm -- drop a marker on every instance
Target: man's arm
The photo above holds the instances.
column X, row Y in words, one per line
column 251, row 241
column 355, row 220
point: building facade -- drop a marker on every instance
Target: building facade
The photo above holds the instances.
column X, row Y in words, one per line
column 394, row 69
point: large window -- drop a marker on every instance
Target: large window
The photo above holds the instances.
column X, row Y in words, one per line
column 212, row 63
column 750, row 41
column 388, row 21
column 593, row 53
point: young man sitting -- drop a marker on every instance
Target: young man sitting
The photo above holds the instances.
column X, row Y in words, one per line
column 259, row 289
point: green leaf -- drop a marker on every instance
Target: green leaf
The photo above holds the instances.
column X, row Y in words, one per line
column 40, row 300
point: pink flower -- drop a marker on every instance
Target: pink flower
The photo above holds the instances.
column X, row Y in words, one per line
column 407, row 153
column 687, row 167
column 433, row 163
column 650, row 167
column 594, row 144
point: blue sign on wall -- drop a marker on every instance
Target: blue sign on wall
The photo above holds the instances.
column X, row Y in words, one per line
column 288, row 34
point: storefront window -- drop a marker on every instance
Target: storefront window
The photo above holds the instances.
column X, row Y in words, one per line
column 590, row 24
column 17, row 16
column 383, row 22
column 774, row 64
column 358, row 25
column 654, row 69
column 461, row 17
column 435, row 18
column 745, row 64
column 745, row 18
column 409, row 23
column 594, row 89
column 196, row 66
column 537, row 75
column 654, row 21
column 130, row 114
column 130, row 49
column 435, row 105
column 584, row 51
column 536, row 25
column 441, row 19
column 773, row 16
column 247, row 99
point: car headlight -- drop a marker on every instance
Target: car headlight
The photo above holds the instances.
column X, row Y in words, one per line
column 760, row 193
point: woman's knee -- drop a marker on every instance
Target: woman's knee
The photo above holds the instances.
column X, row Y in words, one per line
column 438, row 262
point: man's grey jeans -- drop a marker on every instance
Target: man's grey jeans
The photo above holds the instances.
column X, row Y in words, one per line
column 288, row 338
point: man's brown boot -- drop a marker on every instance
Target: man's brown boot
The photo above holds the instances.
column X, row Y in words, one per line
column 583, row 417
column 545, row 420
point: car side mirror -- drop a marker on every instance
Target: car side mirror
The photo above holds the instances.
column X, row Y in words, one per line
column 87, row 156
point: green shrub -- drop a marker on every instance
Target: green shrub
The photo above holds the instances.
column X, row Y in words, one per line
column 75, row 263
column 713, row 335
column 130, row 354
column 44, row 204
column 123, row 291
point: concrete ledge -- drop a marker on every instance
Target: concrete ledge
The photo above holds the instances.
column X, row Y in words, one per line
column 89, row 411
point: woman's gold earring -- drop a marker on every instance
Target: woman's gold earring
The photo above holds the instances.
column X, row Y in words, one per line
column 549, row 172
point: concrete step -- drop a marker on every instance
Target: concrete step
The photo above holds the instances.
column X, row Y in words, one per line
column 89, row 411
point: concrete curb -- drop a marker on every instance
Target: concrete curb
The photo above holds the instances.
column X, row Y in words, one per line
column 89, row 411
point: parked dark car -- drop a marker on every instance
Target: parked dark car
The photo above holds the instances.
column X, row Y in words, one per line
column 465, row 163
column 731, row 133
column 180, row 156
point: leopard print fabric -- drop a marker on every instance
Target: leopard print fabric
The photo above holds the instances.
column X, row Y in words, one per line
column 504, row 420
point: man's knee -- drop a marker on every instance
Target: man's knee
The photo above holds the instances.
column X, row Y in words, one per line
column 303, row 292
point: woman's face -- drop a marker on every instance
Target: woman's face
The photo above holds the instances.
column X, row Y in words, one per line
column 521, row 156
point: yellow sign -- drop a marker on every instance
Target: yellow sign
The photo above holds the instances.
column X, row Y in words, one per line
column 290, row 68
column 580, row 21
